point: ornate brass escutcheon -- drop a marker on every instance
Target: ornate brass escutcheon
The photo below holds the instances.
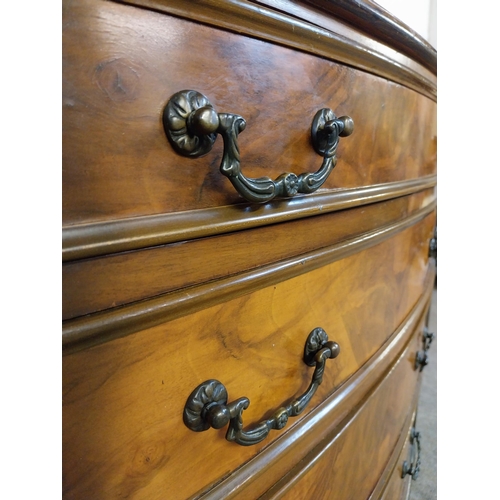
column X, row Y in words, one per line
column 207, row 405
column 192, row 124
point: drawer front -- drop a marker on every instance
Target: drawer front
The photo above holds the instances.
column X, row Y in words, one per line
column 97, row 284
column 398, row 487
column 171, row 278
column 123, row 400
column 351, row 465
column 121, row 64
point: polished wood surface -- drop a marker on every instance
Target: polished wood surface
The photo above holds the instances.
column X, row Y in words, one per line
column 117, row 162
column 359, row 38
column 170, row 278
column 90, row 240
column 295, row 450
column 128, row 277
column 125, row 397
column 390, row 483
column 397, row 487
column 381, row 24
column 371, row 432
column 93, row 329
column 316, row 37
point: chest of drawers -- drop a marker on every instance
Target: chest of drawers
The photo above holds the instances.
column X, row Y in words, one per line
column 244, row 315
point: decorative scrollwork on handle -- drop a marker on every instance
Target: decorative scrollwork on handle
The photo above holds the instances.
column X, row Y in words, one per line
column 192, row 125
column 207, row 405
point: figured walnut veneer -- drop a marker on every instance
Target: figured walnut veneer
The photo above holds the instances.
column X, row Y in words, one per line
column 171, row 279
column 117, row 162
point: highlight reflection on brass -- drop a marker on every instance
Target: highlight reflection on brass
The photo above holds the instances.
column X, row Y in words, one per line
column 207, row 405
column 192, row 124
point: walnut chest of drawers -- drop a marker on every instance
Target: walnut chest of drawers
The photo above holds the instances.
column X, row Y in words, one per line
column 249, row 206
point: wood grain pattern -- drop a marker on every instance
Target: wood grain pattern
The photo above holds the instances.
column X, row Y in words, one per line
column 91, row 240
column 120, row 66
column 171, row 279
column 132, row 276
column 308, row 437
column 398, row 488
column 82, row 332
column 243, row 17
column 371, row 433
column 120, row 400
column 307, row 11
column 388, row 485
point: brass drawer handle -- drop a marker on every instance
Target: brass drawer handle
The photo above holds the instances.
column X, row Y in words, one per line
column 207, row 405
column 192, row 125
column 422, row 358
column 413, row 468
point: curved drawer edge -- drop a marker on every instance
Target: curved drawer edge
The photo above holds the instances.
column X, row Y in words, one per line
column 119, row 279
column 267, row 24
column 394, row 460
column 374, row 19
column 331, row 416
column 287, row 483
column 91, row 240
column 93, row 329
